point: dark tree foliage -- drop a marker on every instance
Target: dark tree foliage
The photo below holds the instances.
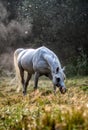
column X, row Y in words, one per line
column 58, row 23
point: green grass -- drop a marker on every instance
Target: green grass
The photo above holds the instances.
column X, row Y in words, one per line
column 43, row 110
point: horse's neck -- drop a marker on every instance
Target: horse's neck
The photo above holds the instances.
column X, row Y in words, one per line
column 52, row 62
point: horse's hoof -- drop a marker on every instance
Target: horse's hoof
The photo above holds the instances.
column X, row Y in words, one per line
column 24, row 93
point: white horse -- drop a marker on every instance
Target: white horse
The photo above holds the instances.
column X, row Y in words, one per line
column 41, row 61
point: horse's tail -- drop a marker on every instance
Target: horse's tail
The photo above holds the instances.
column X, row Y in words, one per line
column 16, row 53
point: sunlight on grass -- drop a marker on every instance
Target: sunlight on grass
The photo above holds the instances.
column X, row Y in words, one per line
column 43, row 110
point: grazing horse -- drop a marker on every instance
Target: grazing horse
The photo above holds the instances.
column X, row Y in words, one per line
column 40, row 61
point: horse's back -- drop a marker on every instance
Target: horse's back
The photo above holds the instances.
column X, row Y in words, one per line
column 33, row 59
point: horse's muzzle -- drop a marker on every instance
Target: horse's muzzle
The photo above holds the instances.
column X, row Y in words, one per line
column 63, row 90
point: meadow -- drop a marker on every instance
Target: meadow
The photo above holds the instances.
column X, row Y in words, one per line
column 42, row 110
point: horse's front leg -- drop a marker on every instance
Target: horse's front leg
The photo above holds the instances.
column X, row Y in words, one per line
column 50, row 77
column 54, row 90
column 37, row 75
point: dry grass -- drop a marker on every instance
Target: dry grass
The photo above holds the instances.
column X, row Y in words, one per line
column 43, row 110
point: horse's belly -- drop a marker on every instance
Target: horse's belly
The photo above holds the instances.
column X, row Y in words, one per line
column 28, row 67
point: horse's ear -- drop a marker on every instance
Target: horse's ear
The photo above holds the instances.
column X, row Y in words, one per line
column 57, row 69
column 63, row 69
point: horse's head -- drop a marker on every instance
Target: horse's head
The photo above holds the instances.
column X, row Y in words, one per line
column 58, row 79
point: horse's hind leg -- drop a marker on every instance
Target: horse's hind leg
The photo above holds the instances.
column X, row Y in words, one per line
column 26, row 83
column 22, row 79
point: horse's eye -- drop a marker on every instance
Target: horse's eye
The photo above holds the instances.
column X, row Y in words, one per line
column 57, row 69
column 58, row 79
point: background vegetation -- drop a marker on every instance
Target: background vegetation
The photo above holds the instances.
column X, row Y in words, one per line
column 60, row 25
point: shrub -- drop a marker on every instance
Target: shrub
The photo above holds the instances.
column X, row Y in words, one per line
column 78, row 65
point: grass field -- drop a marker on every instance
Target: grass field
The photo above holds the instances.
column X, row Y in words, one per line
column 43, row 110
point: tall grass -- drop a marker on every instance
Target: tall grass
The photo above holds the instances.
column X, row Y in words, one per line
column 44, row 110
